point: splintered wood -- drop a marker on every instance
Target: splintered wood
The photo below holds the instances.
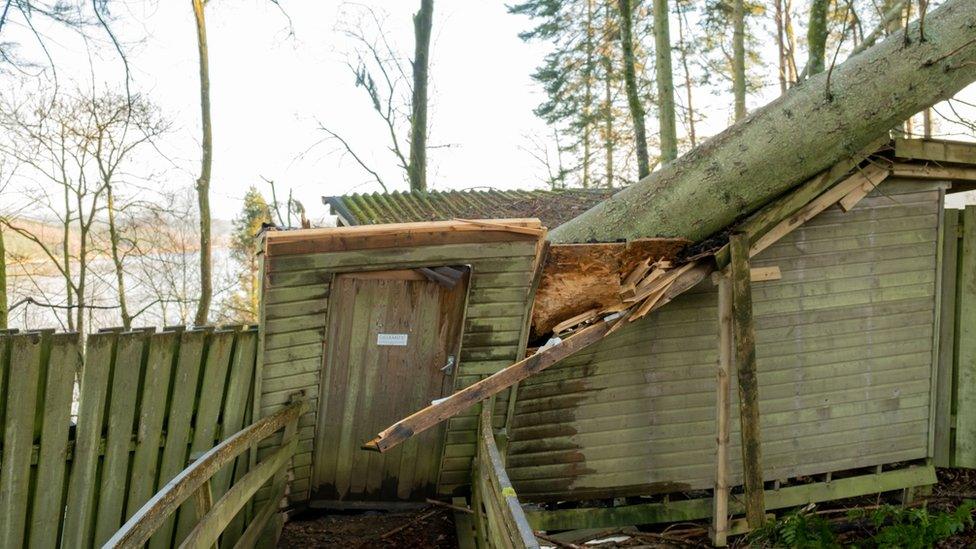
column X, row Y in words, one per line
column 583, row 281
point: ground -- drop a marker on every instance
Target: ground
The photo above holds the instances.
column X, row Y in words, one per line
column 433, row 527
column 429, row 527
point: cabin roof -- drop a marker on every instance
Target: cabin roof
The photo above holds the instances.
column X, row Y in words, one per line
column 552, row 207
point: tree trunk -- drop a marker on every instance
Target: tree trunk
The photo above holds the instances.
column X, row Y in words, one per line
column 683, row 47
column 203, row 183
column 817, row 38
column 739, row 58
column 588, row 93
column 752, row 162
column 608, row 140
column 630, row 82
column 3, row 283
column 665, row 82
column 422, row 23
column 781, row 47
column 113, row 237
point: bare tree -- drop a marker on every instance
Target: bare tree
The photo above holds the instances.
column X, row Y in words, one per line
column 400, row 101
column 422, row 24
column 206, row 160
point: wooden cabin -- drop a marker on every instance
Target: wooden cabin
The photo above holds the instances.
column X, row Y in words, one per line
column 856, row 352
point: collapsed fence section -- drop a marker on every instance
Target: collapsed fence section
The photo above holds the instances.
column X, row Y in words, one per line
column 498, row 517
column 147, row 403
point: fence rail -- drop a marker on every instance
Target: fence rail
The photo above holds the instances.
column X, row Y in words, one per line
column 85, row 442
column 498, row 517
column 197, row 481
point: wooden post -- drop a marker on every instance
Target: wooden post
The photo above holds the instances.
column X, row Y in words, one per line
column 720, row 495
column 745, row 363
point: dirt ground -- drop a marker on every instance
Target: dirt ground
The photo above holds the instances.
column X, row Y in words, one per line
column 428, row 527
column 433, row 527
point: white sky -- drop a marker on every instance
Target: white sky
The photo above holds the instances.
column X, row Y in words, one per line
column 269, row 90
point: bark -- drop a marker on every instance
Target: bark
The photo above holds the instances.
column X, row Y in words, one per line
column 793, row 138
column 739, row 58
column 3, row 284
column 665, row 82
column 630, row 83
column 203, row 183
column 817, row 38
column 744, row 336
column 422, row 23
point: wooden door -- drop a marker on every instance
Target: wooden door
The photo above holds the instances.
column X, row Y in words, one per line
column 390, row 338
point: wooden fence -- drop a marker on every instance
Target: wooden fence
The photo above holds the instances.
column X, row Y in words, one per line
column 498, row 517
column 197, row 481
column 955, row 439
column 85, row 443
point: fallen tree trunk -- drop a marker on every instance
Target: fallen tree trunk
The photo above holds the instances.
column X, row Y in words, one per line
column 826, row 119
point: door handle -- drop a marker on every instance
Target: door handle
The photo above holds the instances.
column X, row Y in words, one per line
column 449, row 367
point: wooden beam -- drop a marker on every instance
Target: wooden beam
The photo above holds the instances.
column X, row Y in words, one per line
column 697, row 509
column 720, row 494
column 933, row 171
column 776, row 211
column 763, row 274
column 745, row 363
column 870, row 174
column 493, row 224
column 426, row 418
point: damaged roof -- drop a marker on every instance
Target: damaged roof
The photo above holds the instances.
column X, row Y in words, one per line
column 552, row 207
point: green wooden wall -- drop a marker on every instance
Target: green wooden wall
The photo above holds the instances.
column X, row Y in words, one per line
column 845, row 358
column 295, row 302
column 955, row 432
column 87, row 442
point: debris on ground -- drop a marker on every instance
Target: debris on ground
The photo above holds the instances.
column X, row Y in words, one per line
column 431, row 527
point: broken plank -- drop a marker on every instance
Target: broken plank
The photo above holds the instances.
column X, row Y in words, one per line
column 573, row 321
column 852, row 198
column 872, row 173
column 450, row 406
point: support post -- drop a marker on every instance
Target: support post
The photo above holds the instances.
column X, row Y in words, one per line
column 745, row 363
column 720, row 494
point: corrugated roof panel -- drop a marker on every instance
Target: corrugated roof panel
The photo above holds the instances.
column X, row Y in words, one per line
column 553, row 207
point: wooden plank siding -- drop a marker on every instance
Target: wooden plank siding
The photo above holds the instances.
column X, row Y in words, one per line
column 65, row 485
column 845, row 364
column 298, row 271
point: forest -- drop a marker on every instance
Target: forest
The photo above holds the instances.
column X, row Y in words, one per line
column 107, row 200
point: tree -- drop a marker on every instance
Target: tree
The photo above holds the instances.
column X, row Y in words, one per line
column 665, row 82
column 3, row 283
column 817, row 37
column 630, row 78
column 739, row 58
column 422, row 23
column 827, row 120
column 206, row 160
column 242, row 305
column 586, row 59
column 683, row 48
column 120, row 127
column 380, row 71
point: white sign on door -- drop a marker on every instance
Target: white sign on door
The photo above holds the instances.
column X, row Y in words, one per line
column 395, row 340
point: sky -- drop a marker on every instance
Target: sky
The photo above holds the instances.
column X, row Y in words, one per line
column 275, row 78
column 278, row 73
